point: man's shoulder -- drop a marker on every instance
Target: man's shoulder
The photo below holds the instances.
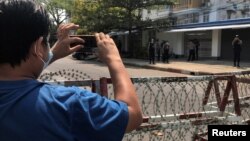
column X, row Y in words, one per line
column 61, row 96
column 61, row 90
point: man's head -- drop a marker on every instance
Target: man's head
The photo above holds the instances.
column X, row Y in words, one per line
column 22, row 23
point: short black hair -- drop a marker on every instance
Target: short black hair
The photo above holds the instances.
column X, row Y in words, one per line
column 22, row 22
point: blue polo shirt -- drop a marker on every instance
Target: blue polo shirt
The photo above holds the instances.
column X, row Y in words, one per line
column 34, row 111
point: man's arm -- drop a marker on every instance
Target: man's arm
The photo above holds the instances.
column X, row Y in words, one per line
column 233, row 41
column 123, row 88
column 240, row 42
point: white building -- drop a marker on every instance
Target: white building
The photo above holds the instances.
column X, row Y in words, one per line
column 213, row 22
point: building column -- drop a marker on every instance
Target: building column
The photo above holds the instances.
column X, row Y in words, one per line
column 216, row 44
column 179, row 44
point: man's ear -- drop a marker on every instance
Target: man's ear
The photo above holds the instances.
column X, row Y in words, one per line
column 37, row 47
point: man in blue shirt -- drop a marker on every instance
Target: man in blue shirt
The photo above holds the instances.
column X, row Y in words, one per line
column 34, row 111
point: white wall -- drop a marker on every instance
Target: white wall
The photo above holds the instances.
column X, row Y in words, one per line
column 176, row 41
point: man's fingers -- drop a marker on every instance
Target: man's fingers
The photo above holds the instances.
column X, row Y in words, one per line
column 76, row 40
column 75, row 48
column 107, row 36
column 97, row 37
column 63, row 29
column 102, row 36
column 72, row 26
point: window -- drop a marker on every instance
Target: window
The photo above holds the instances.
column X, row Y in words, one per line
column 206, row 17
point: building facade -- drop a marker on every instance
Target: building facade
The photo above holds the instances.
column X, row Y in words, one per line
column 213, row 22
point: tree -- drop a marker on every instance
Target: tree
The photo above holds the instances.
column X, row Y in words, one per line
column 133, row 15
column 59, row 12
column 86, row 14
column 105, row 15
column 93, row 16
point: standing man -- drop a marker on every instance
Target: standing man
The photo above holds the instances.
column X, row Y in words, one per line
column 31, row 110
column 237, row 45
column 151, row 51
column 166, row 47
column 191, row 47
column 158, row 49
column 197, row 45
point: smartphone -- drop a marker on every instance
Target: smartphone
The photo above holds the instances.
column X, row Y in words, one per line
column 90, row 47
column 89, row 41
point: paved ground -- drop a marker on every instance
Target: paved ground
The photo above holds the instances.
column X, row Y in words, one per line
column 194, row 68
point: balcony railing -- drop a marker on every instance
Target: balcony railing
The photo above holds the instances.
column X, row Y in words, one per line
column 179, row 7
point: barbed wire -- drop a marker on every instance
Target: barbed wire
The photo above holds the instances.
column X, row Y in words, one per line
column 180, row 108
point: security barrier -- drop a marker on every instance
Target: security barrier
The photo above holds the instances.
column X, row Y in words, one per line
column 179, row 108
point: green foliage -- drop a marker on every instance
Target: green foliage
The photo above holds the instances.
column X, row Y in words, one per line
column 93, row 16
column 132, row 18
column 85, row 14
column 105, row 15
column 102, row 15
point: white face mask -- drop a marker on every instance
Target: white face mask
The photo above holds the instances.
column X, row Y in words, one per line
column 50, row 56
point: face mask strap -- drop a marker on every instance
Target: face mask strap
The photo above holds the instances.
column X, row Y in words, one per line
column 50, row 56
column 50, row 53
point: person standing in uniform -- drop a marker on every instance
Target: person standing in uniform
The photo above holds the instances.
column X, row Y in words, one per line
column 191, row 47
column 197, row 45
column 165, row 55
column 162, row 49
column 237, row 43
column 151, row 51
column 158, row 50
